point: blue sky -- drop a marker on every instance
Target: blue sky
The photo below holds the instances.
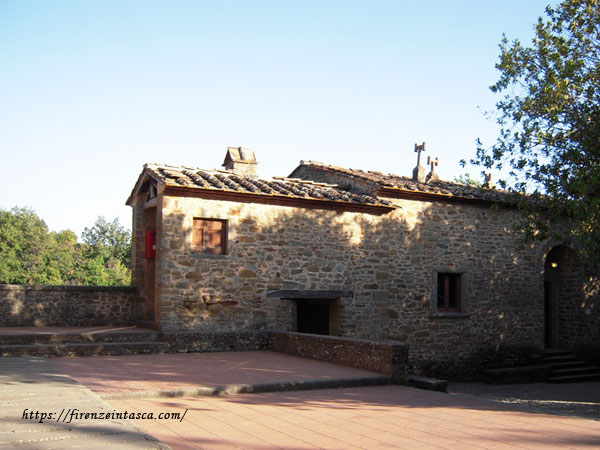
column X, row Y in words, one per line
column 92, row 90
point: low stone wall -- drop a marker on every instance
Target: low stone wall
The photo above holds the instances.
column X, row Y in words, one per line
column 216, row 342
column 390, row 358
column 66, row 306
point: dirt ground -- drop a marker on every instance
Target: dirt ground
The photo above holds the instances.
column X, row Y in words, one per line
column 575, row 399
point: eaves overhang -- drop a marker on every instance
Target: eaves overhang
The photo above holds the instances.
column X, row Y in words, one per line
column 275, row 199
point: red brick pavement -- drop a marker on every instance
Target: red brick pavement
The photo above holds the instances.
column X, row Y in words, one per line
column 358, row 418
column 365, row 418
column 164, row 372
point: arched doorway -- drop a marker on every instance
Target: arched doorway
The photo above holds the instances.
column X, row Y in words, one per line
column 561, row 286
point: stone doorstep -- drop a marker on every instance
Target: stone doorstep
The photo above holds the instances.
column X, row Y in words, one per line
column 375, row 380
column 430, row 384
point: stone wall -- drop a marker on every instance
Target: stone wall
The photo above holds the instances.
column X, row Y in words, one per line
column 377, row 356
column 66, row 306
column 389, row 262
column 502, row 310
column 578, row 321
column 216, row 342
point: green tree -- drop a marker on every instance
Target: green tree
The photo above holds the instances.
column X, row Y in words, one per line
column 549, row 115
column 110, row 238
column 107, row 253
column 23, row 243
column 32, row 255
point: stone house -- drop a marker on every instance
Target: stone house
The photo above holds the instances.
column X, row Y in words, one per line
column 346, row 252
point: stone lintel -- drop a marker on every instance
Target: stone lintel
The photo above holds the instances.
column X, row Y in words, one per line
column 307, row 294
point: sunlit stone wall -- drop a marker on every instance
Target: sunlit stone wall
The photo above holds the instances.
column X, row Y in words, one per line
column 389, row 262
column 66, row 306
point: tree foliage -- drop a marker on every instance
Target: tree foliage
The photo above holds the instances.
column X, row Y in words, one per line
column 107, row 252
column 549, row 115
column 110, row 239
column 467, row 180
column 32, row 255
column 23, row 244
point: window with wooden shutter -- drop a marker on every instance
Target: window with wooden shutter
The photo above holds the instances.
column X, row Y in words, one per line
column 210, row 236
column 449, row 292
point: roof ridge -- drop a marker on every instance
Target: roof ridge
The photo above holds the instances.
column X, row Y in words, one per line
column 310, row 182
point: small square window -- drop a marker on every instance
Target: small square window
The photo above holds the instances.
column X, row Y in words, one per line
column 449, row 292
column 210, row 236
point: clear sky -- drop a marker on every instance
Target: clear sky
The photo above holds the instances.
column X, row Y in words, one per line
column 92, row 90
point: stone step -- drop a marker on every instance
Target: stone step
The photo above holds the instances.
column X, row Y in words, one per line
column 560, row 359
column 569, row 368
column 575, row 378
column 75, row 349
column 582, row 370
column 555, row 352
column 79, row 338
column 567, row 365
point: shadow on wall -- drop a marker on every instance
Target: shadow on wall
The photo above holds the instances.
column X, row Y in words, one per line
column 571, row 303
column 391, row 263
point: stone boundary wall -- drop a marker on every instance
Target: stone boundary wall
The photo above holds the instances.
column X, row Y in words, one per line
column 390, row 358
column 66, row 306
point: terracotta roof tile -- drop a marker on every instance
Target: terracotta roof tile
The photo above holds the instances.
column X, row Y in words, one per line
column 391, row 181
column 224, row 180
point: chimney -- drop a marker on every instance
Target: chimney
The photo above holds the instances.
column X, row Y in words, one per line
column 432, row 176
column 488, row 183
column 241, row 161
column 419, row 171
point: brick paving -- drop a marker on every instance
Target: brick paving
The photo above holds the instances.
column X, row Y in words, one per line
column 116, row 376
column 359, row 418
column 351, row 418
column 33, row 385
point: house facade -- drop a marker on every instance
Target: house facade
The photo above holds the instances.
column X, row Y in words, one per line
column 345, row 252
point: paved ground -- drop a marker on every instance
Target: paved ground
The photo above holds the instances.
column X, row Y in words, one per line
column 205, row 373
column 575, row 399
column 30, row 385
column 350, row 418
column 360, row 418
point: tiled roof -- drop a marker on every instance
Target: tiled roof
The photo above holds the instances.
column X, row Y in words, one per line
column 405, row 184
column 228, row 181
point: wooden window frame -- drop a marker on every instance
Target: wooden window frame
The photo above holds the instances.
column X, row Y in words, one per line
column 202, row 249
column 444, row 280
